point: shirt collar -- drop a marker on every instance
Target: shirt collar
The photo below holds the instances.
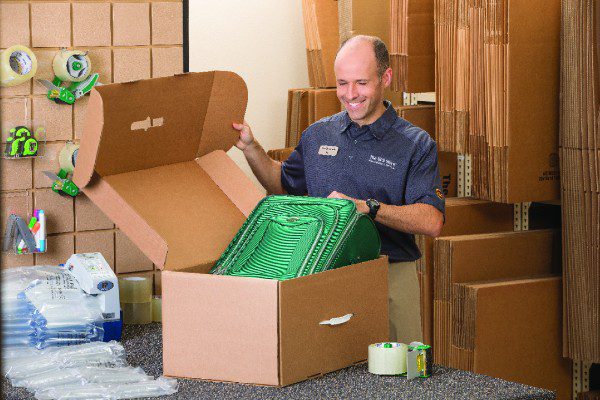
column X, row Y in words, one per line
column 378, row 128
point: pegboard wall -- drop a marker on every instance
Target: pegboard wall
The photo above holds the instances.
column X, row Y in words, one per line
column 126, row 41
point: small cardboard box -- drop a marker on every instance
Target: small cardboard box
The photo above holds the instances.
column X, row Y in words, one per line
column 153, row 159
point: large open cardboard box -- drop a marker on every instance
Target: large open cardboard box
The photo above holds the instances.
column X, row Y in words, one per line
column 170, row 187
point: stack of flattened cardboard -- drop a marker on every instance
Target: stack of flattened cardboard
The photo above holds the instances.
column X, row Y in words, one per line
column 411, row 46
column 467, row 258
column 464, row 216
column 511, row 329
column 498, row 81
column 407, row 28
column 580, row 178
column 305, row 107
column 322, row 41
column 452, row 65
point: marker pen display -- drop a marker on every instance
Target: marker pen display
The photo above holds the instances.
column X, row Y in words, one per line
column 42, row 230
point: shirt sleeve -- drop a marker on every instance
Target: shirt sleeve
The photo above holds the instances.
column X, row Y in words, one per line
column 293, row 179
column 424, row 183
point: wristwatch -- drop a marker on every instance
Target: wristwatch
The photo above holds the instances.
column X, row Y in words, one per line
column 373, row 207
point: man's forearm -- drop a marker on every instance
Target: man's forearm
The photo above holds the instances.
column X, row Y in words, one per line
column 266, row 170
column 416, row 218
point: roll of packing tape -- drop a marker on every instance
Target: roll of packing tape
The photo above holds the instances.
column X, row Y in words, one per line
column 387, row 358
column 68, row 157
column 137, row 313
column 135, row 289
column 156, row 309
column 72, row 65
column 18, row 64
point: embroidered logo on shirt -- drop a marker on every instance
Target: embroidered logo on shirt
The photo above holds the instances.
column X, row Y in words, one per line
column 328, row 150
column 439, row 193
column 382, row 161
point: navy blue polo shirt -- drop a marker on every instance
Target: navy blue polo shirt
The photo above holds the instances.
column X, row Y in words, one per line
column 390, row 160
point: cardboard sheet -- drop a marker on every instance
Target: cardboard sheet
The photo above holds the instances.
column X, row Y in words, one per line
column 516, row 332
column 497, row 99
column 580, row 177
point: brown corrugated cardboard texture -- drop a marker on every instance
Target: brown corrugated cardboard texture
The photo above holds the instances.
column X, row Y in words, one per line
column 448, row 164
column 467, row 258
column 463, row 216
column 518, row 334
column 181, row 201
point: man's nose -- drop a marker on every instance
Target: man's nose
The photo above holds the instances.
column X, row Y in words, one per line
column 352, row 92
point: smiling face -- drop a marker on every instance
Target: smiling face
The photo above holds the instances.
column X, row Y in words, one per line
column 359, row 87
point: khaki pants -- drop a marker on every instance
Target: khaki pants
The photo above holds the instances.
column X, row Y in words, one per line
column 405, row 302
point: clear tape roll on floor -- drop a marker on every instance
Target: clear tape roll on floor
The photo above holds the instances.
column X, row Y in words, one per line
column 18, row 64
column 137, row 313
column 72, row 65
column 68, row 157
column 387, row 358
column 135, row 294
column 135, row 289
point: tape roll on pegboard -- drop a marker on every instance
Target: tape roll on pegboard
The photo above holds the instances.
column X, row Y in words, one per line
column 18, row 64
column 387, row 358
column 68, row 157
column 72, row 65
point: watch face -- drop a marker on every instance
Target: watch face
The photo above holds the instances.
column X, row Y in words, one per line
column 372, row 203
column 373, row 207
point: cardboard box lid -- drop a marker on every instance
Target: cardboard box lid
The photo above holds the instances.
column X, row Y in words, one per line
column 168, row 184
column 191, row 115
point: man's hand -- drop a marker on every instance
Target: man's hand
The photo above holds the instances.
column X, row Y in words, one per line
column 361, row 205
column 246, row 137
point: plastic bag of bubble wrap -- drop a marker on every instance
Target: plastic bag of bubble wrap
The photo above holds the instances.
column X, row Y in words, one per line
column 34, row 307
column 82, row 376
column 160, row 387
column 23, row 363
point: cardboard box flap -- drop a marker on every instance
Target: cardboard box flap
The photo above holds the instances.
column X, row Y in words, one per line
column 153, row 159
column 164, row 121
column 185, row 207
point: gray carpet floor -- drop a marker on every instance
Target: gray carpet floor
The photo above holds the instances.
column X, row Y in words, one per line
column 143, row 344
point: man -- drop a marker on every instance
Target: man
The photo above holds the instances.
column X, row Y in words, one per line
column 369, row 155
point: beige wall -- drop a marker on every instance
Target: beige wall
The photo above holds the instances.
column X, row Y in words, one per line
column 263, row 42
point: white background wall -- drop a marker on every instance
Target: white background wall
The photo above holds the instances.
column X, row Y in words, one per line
column 263, row 42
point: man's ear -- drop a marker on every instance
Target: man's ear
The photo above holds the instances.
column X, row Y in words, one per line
column 386, row 78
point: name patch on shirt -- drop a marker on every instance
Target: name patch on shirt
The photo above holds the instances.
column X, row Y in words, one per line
column 382, row 161
column 328, row 150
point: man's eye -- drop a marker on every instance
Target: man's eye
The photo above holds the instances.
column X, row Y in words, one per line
column 362, row 83
column 341, row 83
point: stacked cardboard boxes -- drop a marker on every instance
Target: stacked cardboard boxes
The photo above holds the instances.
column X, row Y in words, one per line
column 580, row 178
column 407, row 28
column 422, row 116
column 464, row 216
column 307, row 106
column 511, row 329
column 497, row 88
column 321, row 31
column 468, row 258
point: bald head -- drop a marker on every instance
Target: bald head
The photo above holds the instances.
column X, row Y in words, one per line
column 370, row 46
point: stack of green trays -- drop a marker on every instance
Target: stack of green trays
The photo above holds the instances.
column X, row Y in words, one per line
column 291, row 236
